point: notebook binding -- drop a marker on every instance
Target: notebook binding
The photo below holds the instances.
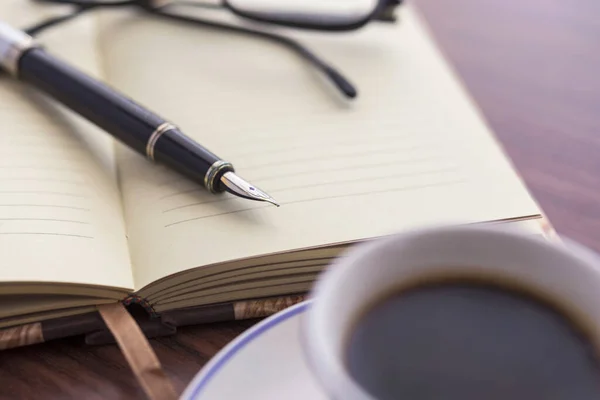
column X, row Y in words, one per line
column 135, row 299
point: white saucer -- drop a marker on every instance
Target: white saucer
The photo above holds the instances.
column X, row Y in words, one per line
column 265, row 362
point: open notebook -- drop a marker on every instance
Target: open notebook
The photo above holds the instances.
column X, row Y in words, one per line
column 85, row 221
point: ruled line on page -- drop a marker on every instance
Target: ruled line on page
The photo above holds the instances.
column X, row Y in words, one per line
column 389, row 190
column 46, row 220
column 52, row 156
column 62, row 144
column 48, row 234
column 322, row 183
column 311, row 132
column 48, row 192
column 46, row 205
column 350, row 167
column 386, row 149
column 40, row 168
column 312, row 142
column 66, row 181
column 269, row 177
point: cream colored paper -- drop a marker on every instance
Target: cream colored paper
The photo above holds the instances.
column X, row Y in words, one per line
column 410, row 150
column 60, row 211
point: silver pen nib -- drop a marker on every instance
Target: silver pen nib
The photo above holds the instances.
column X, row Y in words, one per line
column 236, row 185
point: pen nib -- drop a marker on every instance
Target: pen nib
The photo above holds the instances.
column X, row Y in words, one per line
column 236, row 185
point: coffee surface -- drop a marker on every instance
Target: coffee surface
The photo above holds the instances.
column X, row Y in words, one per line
column 465, row 342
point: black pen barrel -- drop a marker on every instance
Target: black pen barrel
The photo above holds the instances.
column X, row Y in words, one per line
column 120, row 116
column 92, row 99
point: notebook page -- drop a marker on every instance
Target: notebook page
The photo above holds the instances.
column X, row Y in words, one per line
column 410, row 150
column 60, row 213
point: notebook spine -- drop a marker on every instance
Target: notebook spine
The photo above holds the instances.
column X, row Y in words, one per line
column 145, row 304
column 232, row 311
column 151, row 323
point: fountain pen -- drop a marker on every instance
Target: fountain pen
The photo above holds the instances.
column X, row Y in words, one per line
column 127, row 121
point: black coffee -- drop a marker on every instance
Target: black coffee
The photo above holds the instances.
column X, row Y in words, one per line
column 470, row 342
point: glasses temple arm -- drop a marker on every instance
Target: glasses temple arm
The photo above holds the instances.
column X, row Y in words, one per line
column 50, row 22
column 337, row 78
column 80, row 8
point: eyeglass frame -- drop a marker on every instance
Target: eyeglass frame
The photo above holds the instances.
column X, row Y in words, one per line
column 382, row 12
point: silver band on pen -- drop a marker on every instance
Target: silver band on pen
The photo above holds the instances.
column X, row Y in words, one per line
column 213, row 172
column 162, row 128
column 13, row 43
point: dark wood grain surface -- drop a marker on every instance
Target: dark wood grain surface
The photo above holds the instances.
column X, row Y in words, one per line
column 533, row 68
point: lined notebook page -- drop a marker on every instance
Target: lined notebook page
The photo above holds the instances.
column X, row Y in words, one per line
column 60, row 213
column 410, row 150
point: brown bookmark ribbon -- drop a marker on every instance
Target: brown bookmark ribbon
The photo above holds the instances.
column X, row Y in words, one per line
column 21, row 336
column 137, row 351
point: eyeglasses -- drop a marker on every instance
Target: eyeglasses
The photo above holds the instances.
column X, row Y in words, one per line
column 316, row 15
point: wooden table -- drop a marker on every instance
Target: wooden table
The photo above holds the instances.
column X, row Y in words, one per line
column 533, row 68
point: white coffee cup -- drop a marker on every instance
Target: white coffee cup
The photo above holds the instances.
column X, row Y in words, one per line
column 566, row 272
